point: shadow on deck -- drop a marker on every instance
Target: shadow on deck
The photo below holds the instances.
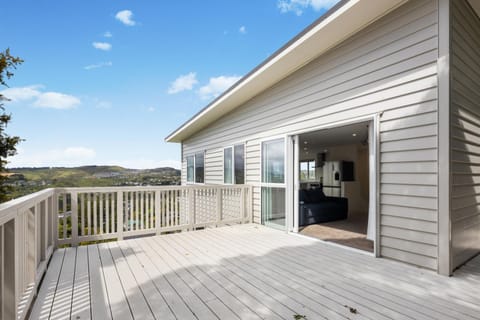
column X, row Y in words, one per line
column 246, row 272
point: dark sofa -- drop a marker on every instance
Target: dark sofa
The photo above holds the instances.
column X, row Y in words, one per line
column 315, row 207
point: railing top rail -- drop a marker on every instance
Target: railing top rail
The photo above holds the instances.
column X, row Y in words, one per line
column 9, row 208
column 149, row 188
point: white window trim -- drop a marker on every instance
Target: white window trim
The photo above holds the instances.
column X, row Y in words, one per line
column 270, row 184
column 195, row 168
column 233, row 163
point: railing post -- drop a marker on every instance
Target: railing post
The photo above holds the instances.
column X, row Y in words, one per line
column 10, row 270
column 38, row 237
column 18, row 258
column 158, row 223
column 219, row 206
column 250, row 204
column 120, row 213
column 191, row 209
column 55, row 220
column 74, row 217
column 242, row 204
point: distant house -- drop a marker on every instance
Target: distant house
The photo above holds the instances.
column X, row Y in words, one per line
column 366, row 123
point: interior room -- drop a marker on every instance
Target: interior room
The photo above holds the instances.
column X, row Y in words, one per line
column 334, row 186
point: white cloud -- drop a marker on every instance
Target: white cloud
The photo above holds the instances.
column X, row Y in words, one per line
column 242, row 30
column 216, row 86
column 56, row 100
column 105, row 46
column 151, row 109
column 98, row 65
column 108, row 34
column 22, row 93
column 298, row 6
column 182, row 83
column 125, row 17
column 34, row 96
column 69, row 157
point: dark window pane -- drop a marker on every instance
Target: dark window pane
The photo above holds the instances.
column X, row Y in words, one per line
column 239, row 164
column 199, row 167
column 227, row 165
column 190, row 169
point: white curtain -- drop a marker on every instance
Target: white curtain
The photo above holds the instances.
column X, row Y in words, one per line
column 372, row 179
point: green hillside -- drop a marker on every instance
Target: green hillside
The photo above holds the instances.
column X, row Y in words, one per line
column 28, row 180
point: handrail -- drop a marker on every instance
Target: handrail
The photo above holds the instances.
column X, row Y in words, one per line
column 33, row 226
column 26, row 245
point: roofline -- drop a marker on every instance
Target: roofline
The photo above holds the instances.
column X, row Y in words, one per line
column 334, row 13
column 263, row 63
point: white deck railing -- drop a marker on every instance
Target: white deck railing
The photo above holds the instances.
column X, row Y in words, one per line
column 32, row 227
column 27, row 241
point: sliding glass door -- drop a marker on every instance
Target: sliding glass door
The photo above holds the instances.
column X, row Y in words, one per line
column 273, row 183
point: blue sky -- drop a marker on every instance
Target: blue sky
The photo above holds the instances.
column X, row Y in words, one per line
column 104, row 82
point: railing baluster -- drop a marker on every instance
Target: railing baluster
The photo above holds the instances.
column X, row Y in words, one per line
column 141, row 209
column 108, row 197
column 89, row 213
column 82, row 213
column 113, row 212
column 149, row 210
column 164, row 208
column 74, row 217
column 158, row 203
column 95, row 209
column 64, row 210
column 100, row 213
column 120, row 212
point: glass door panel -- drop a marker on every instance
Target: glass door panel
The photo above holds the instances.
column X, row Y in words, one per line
column 273, row 183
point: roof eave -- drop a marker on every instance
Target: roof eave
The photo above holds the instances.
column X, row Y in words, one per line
column 338, row 24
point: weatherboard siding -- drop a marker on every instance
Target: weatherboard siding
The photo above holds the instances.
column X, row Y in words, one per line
column 465, row 133
column 389, row 68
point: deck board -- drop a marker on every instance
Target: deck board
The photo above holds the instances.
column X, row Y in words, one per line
column 81, row 286
column 246, row 272
column 99, row 301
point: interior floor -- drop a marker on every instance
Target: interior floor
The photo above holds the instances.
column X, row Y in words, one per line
column 349, row 232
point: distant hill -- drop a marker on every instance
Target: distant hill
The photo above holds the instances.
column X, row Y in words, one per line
column 28, row 180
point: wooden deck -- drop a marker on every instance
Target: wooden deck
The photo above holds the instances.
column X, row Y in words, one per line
column 246, row 272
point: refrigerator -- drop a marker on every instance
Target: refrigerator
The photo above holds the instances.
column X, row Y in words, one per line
column 331, row 179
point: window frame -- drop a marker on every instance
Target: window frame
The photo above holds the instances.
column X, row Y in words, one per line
column 274, row 184
column 193, row 155
column 232, row 147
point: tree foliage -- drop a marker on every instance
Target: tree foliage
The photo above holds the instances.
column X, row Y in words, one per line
column 8, row 143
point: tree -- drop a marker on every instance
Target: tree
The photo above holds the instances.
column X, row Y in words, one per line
column 7, row 143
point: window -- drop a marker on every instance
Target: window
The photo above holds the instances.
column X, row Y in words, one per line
column 227, row 165
column 199, row 167
column 234, row 164
column 195, row 168
column 239, row 156
column 307, row 170
column 273, row 161
column 190, row 169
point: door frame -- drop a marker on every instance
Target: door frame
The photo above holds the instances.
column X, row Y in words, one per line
column 283, row 185
column 292, row 174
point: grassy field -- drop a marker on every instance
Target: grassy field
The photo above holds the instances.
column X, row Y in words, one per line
column 28, row 180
